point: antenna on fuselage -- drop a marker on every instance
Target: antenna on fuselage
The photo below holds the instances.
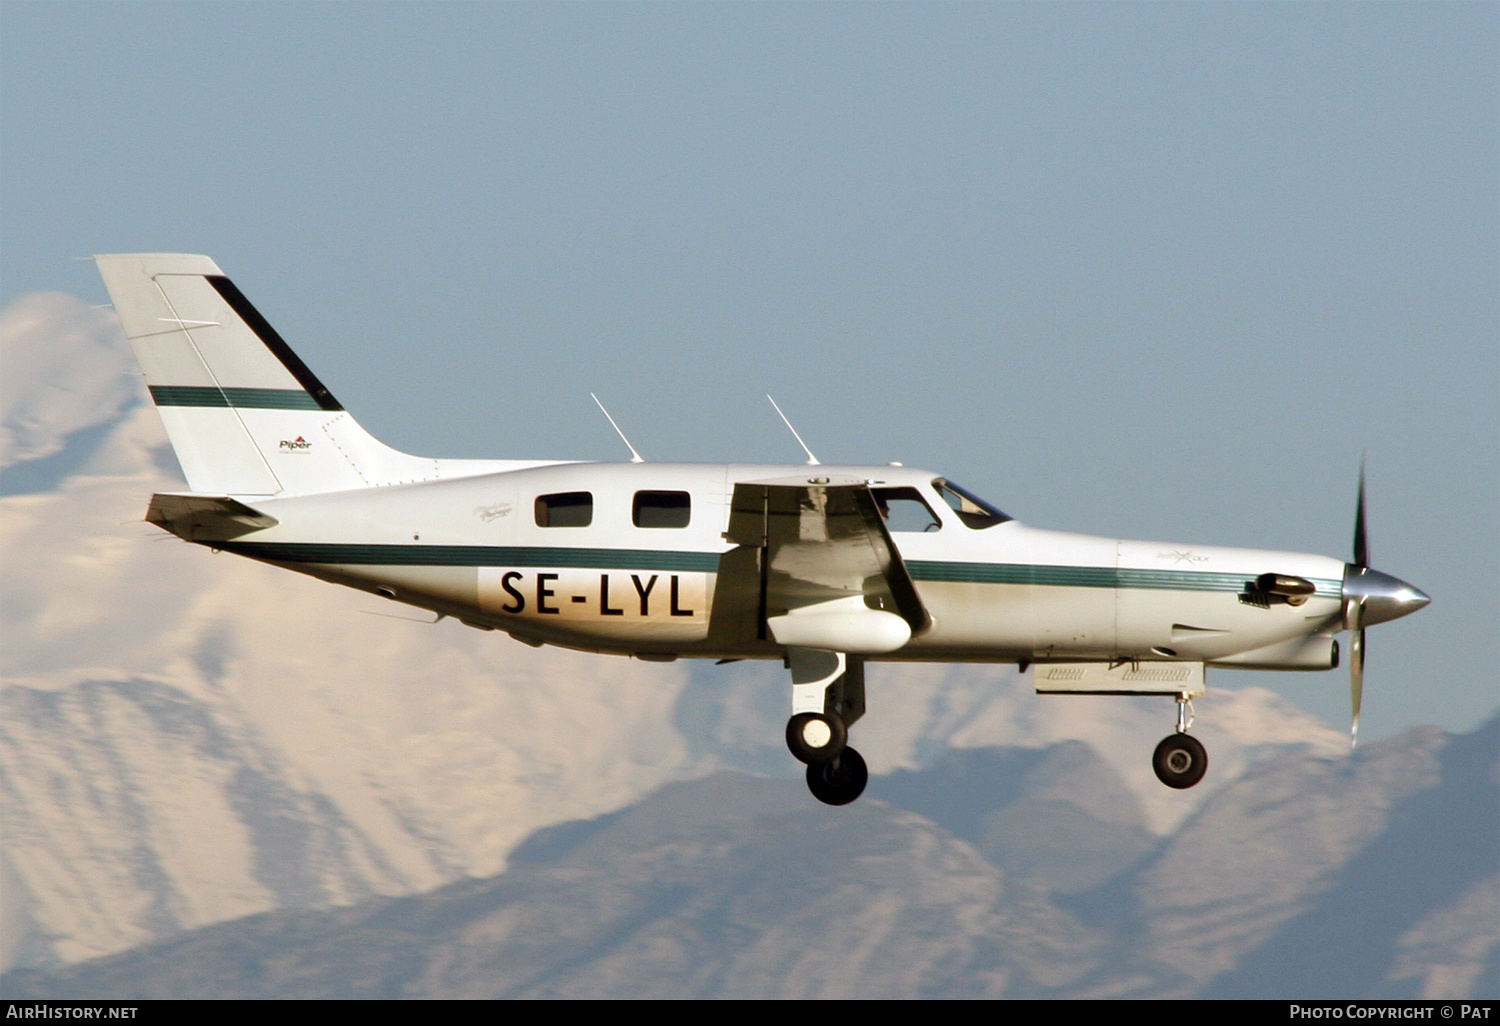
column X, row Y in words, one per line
column 812, row 461
column 635, row 457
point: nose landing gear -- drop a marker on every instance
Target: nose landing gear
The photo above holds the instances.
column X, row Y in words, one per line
column 1180, row 760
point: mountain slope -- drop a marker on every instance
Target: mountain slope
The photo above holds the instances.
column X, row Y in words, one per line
column 732, row 886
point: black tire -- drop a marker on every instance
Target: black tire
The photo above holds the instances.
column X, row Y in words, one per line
column 841, row 781
column 807, row 750
column 1180, row 761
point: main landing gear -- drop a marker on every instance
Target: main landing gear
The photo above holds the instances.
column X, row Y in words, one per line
column 1180, row 760
column 836, row 773
column 828, row 695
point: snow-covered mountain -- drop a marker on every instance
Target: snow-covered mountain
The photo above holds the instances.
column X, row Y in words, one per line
column 1028, row 873
column 187, row 737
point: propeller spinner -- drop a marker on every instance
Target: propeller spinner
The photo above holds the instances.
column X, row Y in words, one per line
column 1369, row 597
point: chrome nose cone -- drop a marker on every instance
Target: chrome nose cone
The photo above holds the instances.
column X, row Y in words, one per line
column 1384, row 597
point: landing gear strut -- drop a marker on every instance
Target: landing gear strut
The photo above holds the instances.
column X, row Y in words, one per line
column 1180, row 760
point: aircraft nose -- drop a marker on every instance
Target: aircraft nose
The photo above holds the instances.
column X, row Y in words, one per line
column 1385, row 597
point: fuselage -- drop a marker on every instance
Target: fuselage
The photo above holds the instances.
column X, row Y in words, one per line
column 632, row 559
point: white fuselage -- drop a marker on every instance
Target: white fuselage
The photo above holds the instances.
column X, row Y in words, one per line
column 475, row 548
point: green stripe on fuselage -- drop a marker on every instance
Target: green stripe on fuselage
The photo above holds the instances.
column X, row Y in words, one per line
column 708, row 562
column 476, row 555
column 239, row 398
column 1092, row 577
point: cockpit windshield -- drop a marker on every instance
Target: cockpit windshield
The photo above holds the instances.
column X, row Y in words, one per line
column 971, row 509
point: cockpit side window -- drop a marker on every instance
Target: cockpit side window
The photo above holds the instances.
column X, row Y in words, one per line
column 904, row 510
column 565, row 509
column 971, row 509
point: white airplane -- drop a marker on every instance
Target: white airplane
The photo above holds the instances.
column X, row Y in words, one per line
column 823, row 567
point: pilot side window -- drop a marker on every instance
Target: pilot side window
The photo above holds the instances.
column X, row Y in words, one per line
column 662, row 509
column 565, row 509
column 904, row 510
column 971, row 509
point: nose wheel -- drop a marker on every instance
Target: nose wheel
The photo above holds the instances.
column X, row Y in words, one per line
column 1180, row 760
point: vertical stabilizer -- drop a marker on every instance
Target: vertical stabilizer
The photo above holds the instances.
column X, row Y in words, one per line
column 244, row 414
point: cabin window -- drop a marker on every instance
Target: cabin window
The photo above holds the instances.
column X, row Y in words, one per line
column 662, row 509
column 903, row 510
column 971, row 509
column 565, row 509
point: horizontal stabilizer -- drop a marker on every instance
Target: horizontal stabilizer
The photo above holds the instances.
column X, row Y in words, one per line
column 205, row 517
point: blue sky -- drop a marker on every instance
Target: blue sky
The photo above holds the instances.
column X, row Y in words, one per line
column 1155, row 271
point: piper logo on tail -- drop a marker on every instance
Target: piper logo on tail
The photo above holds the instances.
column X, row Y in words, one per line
column 298, row 444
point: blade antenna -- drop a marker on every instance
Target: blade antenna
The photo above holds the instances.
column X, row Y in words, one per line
column 812, row 461
column 635, row 457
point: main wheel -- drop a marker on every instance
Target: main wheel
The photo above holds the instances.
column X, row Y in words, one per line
column 1180, row 761
column 815, row 737
column 838, row 782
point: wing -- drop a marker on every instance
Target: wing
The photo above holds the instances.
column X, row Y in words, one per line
column 829, row 575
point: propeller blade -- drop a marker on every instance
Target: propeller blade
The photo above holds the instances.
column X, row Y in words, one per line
column 1354, row 614
column 1361, row 539
column 1356, row 619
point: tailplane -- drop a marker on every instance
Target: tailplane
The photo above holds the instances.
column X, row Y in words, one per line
column 244, row 413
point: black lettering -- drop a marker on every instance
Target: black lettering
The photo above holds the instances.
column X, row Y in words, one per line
column 675, row 610
column 644, row 593
column 543, row 593
column 604, row 609
column 506, row 582
column 580, row 598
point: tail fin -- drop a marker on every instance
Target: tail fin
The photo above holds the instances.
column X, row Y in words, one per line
column 244, row 414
